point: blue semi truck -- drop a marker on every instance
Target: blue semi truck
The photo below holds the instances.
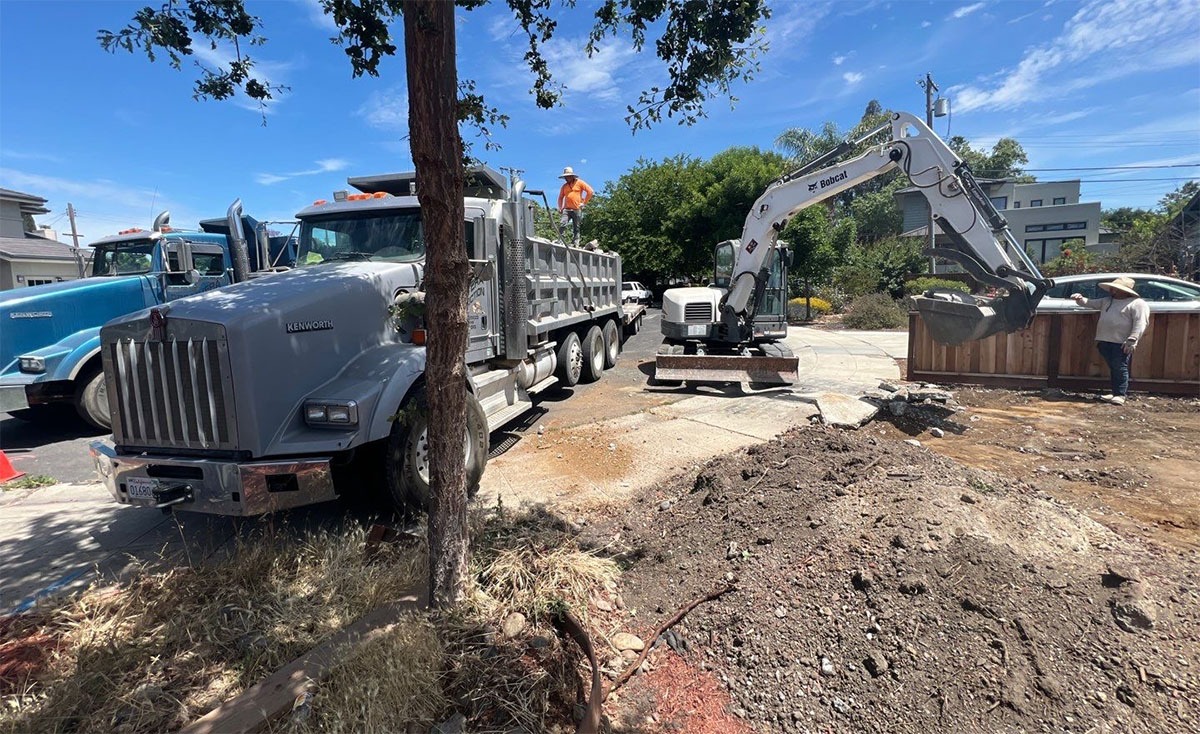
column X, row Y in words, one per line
column 50, row 334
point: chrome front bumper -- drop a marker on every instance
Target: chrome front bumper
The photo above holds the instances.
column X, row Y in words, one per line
column 214, row 487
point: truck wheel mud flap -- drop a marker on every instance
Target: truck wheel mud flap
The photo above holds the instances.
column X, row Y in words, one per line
column 715, row 368
column 954, row 318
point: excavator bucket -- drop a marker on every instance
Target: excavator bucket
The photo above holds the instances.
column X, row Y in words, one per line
column 717, row 368
column 953, row 318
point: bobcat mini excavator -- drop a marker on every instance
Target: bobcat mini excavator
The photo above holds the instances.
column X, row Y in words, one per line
column 730, row 331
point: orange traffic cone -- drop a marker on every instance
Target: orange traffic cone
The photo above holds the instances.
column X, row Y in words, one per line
column 7, row 471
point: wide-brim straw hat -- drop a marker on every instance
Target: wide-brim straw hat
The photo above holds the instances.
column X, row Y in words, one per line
column 1121, row 285
column 568, row 172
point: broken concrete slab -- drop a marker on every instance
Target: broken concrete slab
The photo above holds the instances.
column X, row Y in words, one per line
column 844, row 411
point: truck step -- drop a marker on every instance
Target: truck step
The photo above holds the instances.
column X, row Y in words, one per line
column 548, row 382
column 507, row 414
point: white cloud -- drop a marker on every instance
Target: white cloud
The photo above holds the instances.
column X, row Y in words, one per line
column 318, row 17
column 792, row 23
column 326, row 165
column 925, row 24
column 852, row 77
column 966, row 10
column 837, row 60
column 387, row 110
column 598, row 76
column 1104, row 40
column 24, row 155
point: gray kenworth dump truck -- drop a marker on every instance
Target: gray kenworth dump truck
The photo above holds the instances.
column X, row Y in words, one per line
column 250, row 399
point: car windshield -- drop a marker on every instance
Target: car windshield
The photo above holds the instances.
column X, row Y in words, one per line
column 391, row 236
column 122, row 258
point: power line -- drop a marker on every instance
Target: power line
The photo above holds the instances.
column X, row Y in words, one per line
column 1131, row 180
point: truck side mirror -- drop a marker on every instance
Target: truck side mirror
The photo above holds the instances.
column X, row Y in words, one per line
column 192, row 276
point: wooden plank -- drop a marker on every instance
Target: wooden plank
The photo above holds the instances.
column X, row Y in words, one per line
column 272, row 697
column 1053, row 347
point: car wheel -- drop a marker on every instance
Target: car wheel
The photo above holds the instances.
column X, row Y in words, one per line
column 406, row 459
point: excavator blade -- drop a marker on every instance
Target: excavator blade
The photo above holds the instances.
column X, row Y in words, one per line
column 717, row 368
column 954, row 318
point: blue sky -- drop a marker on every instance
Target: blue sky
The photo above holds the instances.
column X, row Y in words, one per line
column 1080, row 84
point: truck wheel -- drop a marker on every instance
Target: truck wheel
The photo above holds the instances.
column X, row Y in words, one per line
column 91, row 400
column 593, row 354
column 612, row 344
column 406, row 463
column 570, row 361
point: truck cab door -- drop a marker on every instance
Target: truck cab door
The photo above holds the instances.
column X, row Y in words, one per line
column 482, row 325
column 193, row 268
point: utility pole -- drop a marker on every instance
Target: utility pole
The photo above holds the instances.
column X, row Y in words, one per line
column 75, row 238
column 930, row 88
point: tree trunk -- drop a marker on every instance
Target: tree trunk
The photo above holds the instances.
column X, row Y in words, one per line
column 429, row 50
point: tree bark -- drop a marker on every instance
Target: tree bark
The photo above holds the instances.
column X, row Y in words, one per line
column 429, row 50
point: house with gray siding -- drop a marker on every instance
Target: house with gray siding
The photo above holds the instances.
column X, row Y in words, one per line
column 27, row 258
column 1043, row 216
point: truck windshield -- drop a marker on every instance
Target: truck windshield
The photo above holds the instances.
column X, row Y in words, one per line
column 391, row 236
column 122, row 258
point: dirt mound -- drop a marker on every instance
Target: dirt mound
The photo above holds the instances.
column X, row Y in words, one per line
column 885, row 588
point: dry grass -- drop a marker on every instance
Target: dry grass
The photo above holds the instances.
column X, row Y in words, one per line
column 155, row 653
column 152, row 654
column 385, row 686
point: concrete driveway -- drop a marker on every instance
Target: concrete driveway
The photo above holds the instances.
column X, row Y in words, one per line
column 606, row 440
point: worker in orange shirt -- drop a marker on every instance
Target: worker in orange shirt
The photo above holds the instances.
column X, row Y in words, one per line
column 572, row 197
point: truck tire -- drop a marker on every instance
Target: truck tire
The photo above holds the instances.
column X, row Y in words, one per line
column 593, row 354
column 91, row 400
column 406, row 458
column 570, row 361
column 612, row 344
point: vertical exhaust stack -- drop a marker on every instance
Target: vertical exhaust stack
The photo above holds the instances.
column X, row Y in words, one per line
column 237, row 242
column 162, row 222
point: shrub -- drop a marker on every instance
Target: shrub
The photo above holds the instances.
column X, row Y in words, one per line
column 797, row 310
column 875, row 311
column 917, row 286
column 838, row 299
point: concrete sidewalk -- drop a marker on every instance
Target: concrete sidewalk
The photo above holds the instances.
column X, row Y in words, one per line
column 609, row 460
column 55, row 538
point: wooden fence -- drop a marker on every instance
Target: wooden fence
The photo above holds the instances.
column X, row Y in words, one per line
column 1059, row 350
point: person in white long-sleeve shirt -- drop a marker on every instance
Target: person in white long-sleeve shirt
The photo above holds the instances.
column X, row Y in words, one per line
column 1123, row 318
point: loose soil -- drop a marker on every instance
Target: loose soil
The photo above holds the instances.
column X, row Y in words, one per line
column 885, row 587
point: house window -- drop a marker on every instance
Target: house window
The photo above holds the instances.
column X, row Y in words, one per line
column 1000, row 202
column 1076, row 225
column 1035, row 202
column 1035, row 228
column 1016, row 205
column 1060, row 200
column 38, row 281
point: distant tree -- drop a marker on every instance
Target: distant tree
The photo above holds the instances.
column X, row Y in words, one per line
column 1122, row 218
column 1004, row 160
column 639, row 216
column 705, row 46
column 1171, row 204
column 27, row 222
column 801, row 144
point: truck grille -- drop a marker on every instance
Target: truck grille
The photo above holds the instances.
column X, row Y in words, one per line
column 702, row 312
column 172, row 393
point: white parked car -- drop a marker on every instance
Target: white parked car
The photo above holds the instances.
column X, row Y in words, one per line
column 634, row 292
column 1160, row 292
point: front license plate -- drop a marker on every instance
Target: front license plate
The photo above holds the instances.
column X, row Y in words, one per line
column 141, row 488
column 698, row 330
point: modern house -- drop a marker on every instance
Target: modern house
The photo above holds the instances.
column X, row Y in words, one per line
column 1043, row 216
column 29, row 258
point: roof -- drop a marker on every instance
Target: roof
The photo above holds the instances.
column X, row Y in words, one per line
column 34, row 248
column 29, row 203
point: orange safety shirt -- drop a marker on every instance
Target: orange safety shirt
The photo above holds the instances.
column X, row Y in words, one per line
column 572, row 192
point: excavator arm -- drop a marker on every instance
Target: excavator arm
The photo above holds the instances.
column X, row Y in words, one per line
column 981, row 240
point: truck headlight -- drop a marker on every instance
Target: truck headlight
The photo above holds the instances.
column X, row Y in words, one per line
column 331, row 413
column 34, row 365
